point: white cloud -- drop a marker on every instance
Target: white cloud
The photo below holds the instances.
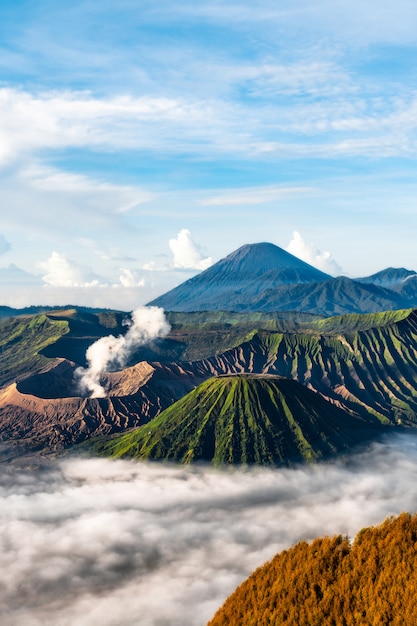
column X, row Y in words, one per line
column 254, row 195
column 317, row 77
column 63, row 272
column 94, row 541
column 111, row 296
column 152, row 266
column 213, row 124
column 310, row 254
column 77, row 119
column 94, row 193
column 187, row 254
column 130, row 278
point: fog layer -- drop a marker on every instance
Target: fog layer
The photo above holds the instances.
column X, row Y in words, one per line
column 86, row 542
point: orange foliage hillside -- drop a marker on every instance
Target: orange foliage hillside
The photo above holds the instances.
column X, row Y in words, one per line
column 333, row 582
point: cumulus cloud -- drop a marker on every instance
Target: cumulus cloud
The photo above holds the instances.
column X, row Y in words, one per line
column 63, row 272
column 88, row 541
column 310, row 254
column 130, row 278
column 187, row 254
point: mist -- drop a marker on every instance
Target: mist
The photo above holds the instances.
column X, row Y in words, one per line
column 147, row 324
column 93, row 541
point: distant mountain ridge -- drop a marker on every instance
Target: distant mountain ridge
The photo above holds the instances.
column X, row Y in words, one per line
column 264, row 277
column 240, row 279
column 391, row 277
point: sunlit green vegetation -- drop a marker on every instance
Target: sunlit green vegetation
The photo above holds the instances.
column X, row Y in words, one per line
column 244, row 419
column 27, row 342
column 22, row 339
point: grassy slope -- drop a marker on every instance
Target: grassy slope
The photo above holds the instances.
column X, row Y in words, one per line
column 199, row 335
column 68, row 333
column 28, row 341
column 22, row 339
column 241, row 419
column 375, row 366
column 371, row 371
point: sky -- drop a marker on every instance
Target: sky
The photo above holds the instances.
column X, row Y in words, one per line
column 141, row 141
column 119, row 543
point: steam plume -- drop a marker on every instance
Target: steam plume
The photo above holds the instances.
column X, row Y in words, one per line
column 147, row 323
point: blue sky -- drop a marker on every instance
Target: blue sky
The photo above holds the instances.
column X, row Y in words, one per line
column 141, row 141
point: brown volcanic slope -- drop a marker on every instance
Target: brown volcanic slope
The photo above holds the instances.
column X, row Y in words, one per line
column 44, row 411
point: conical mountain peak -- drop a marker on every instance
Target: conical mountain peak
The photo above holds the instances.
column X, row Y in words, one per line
column 239, row 279
column 266, row 256
column 244, row 419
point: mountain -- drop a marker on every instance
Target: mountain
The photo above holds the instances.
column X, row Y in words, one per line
column 390, row 278
column 7, row 311
column 363, row 364
column 335, row 296
column 333, row 581
column 238, row 281
column 263, row 277
column 45, row 412
column 28, row 342
column 244, row 419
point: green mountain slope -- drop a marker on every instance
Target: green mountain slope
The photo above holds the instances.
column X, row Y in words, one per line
column 369, row 371
column 21, row 341
column 244, row 419
column 28, row 342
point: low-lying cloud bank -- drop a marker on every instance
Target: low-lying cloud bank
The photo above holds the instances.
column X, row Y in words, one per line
column 92, row 541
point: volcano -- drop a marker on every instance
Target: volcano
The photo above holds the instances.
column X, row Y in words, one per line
column 251, row 419
column 263, row 277
column 46, row 412
column 238, row 281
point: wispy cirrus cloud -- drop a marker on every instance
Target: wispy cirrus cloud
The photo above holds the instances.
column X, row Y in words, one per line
column 53, row 120
column 254, row 195
column 96, row 193
column 50, row 121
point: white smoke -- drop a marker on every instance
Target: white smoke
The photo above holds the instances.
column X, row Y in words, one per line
column 147, row 323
